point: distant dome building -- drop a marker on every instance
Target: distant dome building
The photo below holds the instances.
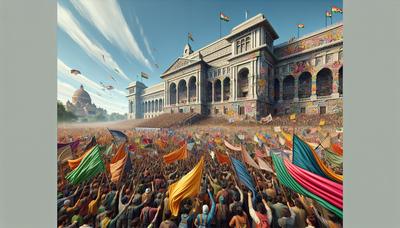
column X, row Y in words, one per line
column 81, row 96
column 81, row 104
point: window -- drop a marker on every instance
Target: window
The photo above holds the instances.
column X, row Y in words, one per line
column 329, row 58
column 219, row 72
column 241, row 110
column 228, row 70
column 322, row 110
column 216, row 111
column 223, row 71
column 303, row 110
column 247, row 43
column 243, row 45
column 318, row 61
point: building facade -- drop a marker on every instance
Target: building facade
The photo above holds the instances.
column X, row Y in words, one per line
column 244, row 76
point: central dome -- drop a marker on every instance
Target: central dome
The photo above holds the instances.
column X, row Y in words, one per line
column 81, row 96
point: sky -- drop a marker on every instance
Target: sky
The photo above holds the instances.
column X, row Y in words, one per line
column 111, row 41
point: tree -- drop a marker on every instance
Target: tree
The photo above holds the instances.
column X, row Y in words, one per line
column 63, row 115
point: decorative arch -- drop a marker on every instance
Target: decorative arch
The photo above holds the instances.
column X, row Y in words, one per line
column 192, row 89
column 305, row 85
column 172, row 93
column 243, row 82
column 324, row 82
column 182, row 92
column 227, row 88
column 209, row 91
column 217, row 90
column 288, row 88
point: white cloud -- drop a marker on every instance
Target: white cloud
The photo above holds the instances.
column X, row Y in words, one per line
column 107, row 17
column 146, row 42
column 71, row 26
column 65, row 92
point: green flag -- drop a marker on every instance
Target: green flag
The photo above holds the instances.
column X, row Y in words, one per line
column 109, row 149
column 90, row 166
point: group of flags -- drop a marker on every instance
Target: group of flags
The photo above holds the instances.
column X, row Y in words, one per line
column 91, row 162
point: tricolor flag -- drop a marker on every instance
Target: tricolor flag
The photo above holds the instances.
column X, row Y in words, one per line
column 223, row 17
column 336, row 9
column 300, row 25
column 144, row 75
column 328, row 14
column 190, row 36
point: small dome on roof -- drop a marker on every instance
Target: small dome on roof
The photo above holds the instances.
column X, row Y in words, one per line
column 81, row 96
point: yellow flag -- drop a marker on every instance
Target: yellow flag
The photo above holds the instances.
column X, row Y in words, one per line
column 188, row 186
column 322, row 122
column 293, row 117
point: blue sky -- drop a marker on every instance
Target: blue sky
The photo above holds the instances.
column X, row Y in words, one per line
column 133, row 36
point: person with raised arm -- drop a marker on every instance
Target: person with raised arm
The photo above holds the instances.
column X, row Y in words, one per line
column 204, row 219
column 262, row 217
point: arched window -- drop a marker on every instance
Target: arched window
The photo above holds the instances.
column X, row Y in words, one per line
column 156, row 106
column 182, row 92
column 209, row 91
column 217, row 90
column 324, row 82
column 276, row 89
column 243, row 82
column 172, row 94
column 288, row 88
column 227, row 89
column 305, row 82
column 340, row 89
column 192, row 89
column 152, row 106
column 160, row 104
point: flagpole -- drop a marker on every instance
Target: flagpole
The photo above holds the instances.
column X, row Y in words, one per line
column 326, row 20
column 298, row 32
column 331, row 19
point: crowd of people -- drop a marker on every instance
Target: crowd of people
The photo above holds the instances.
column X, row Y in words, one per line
column 140, row 198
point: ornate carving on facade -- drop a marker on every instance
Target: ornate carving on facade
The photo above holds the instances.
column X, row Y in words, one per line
column 326, row 37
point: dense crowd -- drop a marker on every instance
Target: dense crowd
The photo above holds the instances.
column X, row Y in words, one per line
column 140, row 198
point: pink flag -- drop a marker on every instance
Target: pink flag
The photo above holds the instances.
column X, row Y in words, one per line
column 247, row 158
column 232, row 147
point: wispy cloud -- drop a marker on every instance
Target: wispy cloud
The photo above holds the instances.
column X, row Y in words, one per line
column 71, row 26
column 107, row 17
column 115, row 103
column 146, row 42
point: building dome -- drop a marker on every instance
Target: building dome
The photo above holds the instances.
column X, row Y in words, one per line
column 81, row 96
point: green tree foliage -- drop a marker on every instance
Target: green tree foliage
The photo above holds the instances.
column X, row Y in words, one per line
column 63, row 115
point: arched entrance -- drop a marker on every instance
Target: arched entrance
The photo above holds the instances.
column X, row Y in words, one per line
column 227, row 89
column 288, row 88
column 276, row 89
column 324, row 82
column 192, row 89
column 172, row 94
column 305, row 82
column 243, row 82
column 217, row 90
column 182, row 92
column 209, row 91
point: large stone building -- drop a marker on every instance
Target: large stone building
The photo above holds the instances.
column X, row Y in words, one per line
column 82, row 105
column 244, row 75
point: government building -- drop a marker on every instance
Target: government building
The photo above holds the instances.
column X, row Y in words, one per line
column 245, row 76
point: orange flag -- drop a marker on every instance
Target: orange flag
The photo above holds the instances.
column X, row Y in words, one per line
column 120, row 153
column 176, row 155
column 116, row 169
column 75, row 162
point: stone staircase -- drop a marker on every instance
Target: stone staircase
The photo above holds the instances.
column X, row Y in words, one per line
column 167, row 120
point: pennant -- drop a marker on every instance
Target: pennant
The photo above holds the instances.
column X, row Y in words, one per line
column 287, row 180
column 144, row 75
column 176, row 155
column 188, row 186
column 91, row 165
column 264, row 166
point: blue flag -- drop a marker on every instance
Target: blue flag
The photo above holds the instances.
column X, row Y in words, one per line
column 244, row 176
column 118, row 135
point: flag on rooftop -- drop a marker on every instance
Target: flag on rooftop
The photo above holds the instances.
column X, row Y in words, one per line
column 190, row 36
column 336, row 9
column 300, row 25
column 328, row 13
column 223, row 17
column 144, row 75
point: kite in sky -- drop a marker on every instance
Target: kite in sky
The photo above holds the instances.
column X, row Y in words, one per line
column 75, row 72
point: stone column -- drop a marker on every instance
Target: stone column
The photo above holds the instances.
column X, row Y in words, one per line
column 280, row 90
column 187, row 93
column 335, row 83
column 212, row 93
column 222, row 91
column 313, row 87
column 296, row 89
column 177, row 95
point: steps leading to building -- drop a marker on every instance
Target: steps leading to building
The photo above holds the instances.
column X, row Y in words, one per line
column 167, row 120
